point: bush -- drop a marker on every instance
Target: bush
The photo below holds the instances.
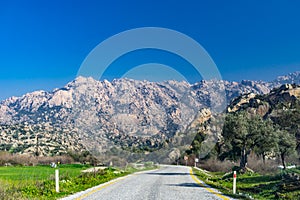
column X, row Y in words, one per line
column 61, row 159
column 215, row 165
column 29, row 160
column 256, row 164
column 82, row 157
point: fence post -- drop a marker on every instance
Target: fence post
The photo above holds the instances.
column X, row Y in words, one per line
column 57, row 180
column 234, row 182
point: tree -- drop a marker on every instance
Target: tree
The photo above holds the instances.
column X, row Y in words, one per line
column 243, row 133
column 238, row 137
column 288, row 119
column 196, row 144
column 267, row 141
column 286, row 145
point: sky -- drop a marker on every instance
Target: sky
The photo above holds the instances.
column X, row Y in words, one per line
column 43, row 43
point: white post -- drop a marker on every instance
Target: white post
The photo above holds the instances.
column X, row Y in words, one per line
column 57, row 180
column 196, row 161
column 234, row 182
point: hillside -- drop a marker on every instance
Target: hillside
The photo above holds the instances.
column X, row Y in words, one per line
column 281, row 107
column 284, row 97
column 96, row 115
column 39, row 139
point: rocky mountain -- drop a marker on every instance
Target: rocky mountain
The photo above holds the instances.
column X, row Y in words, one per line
column 124, row 113
column 286, row 96
column 281, row 106
column 292, row 78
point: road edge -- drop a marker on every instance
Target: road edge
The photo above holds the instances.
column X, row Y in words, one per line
column 207, row 187
column 85, row 193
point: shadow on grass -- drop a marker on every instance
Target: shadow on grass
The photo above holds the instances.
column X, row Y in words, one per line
column 259, row 179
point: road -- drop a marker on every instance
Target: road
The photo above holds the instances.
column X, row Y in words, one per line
column 168, row 182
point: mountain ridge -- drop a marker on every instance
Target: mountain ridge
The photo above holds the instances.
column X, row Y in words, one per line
column 126, row 112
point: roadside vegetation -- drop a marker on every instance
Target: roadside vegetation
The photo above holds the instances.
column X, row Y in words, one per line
column 263, row 150
column 20, row 181
column 282, row 184
column 245, row 134
column 38, row 182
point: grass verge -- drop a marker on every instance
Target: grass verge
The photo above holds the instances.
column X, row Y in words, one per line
column 280, row 185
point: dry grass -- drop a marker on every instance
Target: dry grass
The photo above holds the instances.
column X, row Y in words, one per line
column 268, row 167
column 215, row 165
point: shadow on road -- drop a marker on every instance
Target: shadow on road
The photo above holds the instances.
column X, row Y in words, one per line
column 168, row 174
column 185, row 185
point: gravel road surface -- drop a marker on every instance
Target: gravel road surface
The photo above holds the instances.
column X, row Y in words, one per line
column 168, row 182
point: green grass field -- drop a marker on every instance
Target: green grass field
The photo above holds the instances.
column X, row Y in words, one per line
column 33, row 173
column 38, row 182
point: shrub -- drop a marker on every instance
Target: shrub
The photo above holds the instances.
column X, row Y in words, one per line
column 29, row 160
column 256, row 164
column 215, row 165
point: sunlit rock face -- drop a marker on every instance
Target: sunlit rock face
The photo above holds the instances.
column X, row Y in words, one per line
column 128, row 112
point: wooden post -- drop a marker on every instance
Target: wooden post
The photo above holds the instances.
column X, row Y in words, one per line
column 57, row 180
column 234, row 182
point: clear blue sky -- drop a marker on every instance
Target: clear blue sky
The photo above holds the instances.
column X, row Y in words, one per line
column 43, row 43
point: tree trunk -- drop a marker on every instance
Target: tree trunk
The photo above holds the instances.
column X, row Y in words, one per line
column 264, row 159
column 283, row 160
column 243, row 162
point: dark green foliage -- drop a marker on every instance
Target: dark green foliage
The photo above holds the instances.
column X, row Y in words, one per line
column 289, row 119
column 196, row 144
column 286, row 145
column 237, row 138
column 5, row 147
column 243, row 134
column 267, row 141
column 81, row 157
